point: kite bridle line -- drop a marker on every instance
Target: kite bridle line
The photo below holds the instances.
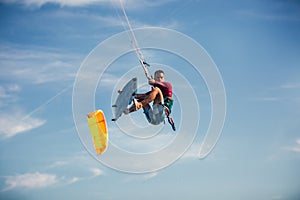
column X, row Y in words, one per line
column 135, row 44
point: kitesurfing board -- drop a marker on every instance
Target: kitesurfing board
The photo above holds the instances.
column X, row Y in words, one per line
column 124, row 98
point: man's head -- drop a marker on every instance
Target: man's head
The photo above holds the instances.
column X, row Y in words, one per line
column 159, row 75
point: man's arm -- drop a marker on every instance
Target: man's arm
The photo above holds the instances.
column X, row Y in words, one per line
column 151, row 81
column 157, row 83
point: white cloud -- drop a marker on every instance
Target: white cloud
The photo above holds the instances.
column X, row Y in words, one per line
column 12, row 124
column 130, row 4
column 14, row 88
column 96, row 171
column 150, row 175
column 37, row 180
column 295, row 147
column 87, row 165
column 30, row 181
column 73, row 180
column 6, row 91
column 12, row 120
column 36, row 65
column 57, row 164
column 39, row 3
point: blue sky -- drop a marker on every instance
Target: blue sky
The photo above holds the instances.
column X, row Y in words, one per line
column 255, row 45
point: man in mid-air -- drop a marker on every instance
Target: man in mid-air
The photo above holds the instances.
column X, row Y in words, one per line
column 161, row 96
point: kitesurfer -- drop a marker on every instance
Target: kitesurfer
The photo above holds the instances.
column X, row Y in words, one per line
column 161, row 96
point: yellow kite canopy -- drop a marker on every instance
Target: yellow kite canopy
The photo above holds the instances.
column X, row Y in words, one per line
column 98, row 129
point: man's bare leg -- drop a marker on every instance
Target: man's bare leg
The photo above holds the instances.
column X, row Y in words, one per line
column 154, row 95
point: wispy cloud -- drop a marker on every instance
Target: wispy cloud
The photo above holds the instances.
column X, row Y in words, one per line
column 73, row 180
column 57, row 164
column 39, row 3
column 140, row 4
column 102, row 20
column 36, row 65
column 7, row 91
column 12, row 119
column 96, row 172
column 295, row 147
column 11, row 124
column 131, row 4
column 112, row 20
column 87, row 165
column 38, row 179
column 30, row 181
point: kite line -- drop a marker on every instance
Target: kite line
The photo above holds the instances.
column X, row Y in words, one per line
column 135, row 43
